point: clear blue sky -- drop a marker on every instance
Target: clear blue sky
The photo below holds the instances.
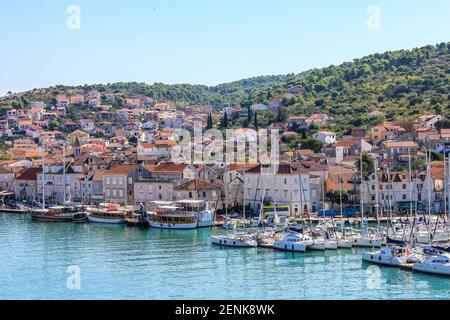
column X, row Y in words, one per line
column 200, row 41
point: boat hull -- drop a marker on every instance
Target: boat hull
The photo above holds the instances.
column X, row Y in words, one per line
column 432, row 269
column 38, row 218
column 367, row 243
column 181, row 226
column 236, row 243
column 331, row 245
column 291, row 247
column 206, row 219
column 317, row 246
column 104, row 220
column 344, row 244
column 378, row 258
column 13, row 211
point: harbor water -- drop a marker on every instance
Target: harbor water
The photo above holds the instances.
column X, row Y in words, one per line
column 115, row 262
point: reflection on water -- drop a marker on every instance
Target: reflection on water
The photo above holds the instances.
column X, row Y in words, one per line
column 117, row 262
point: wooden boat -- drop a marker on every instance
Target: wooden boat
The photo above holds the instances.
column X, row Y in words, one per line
column 58, row 214
column 169, row 215
column 112, row 214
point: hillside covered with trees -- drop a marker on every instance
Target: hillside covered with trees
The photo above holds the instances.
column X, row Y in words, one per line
column 401, row 84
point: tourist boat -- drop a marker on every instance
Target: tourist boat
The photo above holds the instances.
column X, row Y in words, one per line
column 293, row 242
column 437, row 264
column 59, row 214
column 169, row 215
column 391, row 256
column 205, row 216
column 112, row 214
column 234, row 240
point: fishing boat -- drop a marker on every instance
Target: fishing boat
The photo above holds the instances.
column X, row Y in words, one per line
column 437, row 264
column 112, row 214
column 293, row 242
column 234, row 240
column 391, row 256
column 58, row 214
column 137, row 220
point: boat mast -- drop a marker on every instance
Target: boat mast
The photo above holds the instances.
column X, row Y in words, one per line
column 377, row 203
column 225, row 180
column 43, row 175
column 448, row 192
column 64, row 172
column 410, row 184
column 361, row 191
column 243, row 208
column 429, row 192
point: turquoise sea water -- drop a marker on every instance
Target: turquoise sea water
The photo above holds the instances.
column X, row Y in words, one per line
column 117, row 262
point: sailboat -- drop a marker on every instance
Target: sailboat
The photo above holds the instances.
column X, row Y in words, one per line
column 397, row 255
column 368, row 238
column 62, row 213
column 438, row 262
column 391, row 256
column 237, row 240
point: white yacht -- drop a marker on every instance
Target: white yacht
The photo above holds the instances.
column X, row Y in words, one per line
column 395, row 256
column 439, row 264
column 318, row 244
column 368, row 239
column 293, row 242
column 234, row 240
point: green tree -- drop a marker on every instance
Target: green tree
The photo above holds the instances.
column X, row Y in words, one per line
column 312, row 144
column 368, row 164
column 225, row 120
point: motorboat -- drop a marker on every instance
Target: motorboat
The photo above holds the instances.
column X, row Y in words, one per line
column 293, row 242
column 436, row 264
column 391, row 256
column 234, row 240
